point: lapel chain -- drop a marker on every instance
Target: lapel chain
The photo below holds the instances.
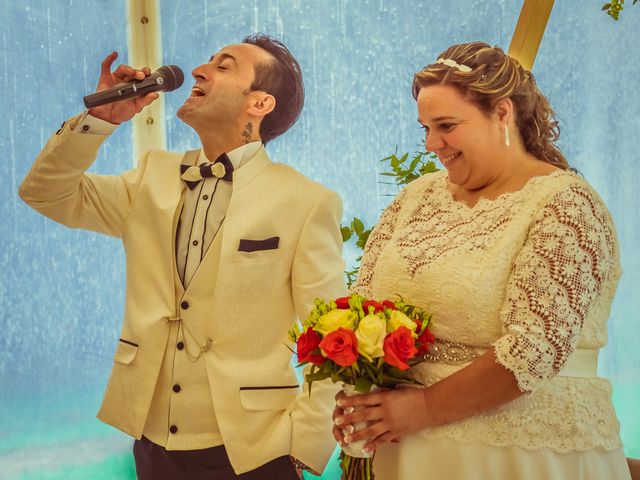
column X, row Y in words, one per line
column 182, row 328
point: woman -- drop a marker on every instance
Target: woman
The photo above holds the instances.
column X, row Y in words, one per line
column 516, row 257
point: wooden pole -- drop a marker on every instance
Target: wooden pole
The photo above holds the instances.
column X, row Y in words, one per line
column 529, row 31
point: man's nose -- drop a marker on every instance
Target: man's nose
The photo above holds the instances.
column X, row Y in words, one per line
column 198, row 72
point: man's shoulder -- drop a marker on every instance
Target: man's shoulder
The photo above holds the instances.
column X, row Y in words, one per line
column 166, row 155
column 289, row 177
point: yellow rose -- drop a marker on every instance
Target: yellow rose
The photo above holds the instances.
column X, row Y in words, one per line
column 332, row 321
column 398, row 319
column 370, row 334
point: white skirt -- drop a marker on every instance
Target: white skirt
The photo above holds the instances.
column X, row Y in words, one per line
column 415, row 458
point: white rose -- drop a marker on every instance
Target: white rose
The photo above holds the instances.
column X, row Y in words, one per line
column 370, row 334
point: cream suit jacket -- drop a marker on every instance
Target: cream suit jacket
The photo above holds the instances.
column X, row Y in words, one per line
column 261, row 411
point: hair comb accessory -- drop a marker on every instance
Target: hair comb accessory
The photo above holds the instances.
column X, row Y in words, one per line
column 453, row 64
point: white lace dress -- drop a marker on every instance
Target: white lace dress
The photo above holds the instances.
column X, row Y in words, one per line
column 532, row 274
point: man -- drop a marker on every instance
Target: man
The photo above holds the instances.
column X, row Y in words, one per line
column 222, row 258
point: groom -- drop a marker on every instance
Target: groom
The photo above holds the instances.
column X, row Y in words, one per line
column 225, row 250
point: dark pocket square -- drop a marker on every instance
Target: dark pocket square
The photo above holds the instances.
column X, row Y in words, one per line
column 257, row 245
column 273, row 387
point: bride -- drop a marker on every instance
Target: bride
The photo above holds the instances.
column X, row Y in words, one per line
column 517, row 258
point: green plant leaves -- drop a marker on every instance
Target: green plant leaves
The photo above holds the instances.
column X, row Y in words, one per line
column 420, row 164
column 614, row 8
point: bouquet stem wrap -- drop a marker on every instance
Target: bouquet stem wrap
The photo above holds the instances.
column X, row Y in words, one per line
column 355, row 463
column 354, row 449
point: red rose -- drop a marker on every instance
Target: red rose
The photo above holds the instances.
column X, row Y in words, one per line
column 371, row 303
column 425, row 339
column 399, row 346
column 341, row 346
column 389, row 304
column 343, row 303
column 307, row 343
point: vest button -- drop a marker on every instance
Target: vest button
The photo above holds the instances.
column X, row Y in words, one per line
column 180, row 345
column 176, row 388
column 184, row 305
column 173, row 429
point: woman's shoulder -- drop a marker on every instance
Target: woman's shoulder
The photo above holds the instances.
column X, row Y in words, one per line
column 566, row 184
column 572, row 198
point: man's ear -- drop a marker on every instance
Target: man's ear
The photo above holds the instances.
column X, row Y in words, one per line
column 260, row 104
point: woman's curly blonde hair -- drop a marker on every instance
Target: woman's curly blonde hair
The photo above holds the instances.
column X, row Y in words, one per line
column 495, row 76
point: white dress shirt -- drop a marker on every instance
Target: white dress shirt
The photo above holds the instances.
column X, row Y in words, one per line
column 203, row 213
column 204, row 207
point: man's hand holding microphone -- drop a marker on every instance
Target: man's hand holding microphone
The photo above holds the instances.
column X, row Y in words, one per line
column 123, row 93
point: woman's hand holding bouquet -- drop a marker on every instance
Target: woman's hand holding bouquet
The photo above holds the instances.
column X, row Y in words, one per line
column 365, row 344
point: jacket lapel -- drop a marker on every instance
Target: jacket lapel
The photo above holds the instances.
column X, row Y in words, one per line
column 189, row 158
column 243, row 176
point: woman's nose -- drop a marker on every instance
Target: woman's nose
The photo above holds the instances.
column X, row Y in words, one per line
column 433, row 142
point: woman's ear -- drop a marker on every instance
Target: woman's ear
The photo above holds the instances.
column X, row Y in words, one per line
column 504, row 111
column 260, row 104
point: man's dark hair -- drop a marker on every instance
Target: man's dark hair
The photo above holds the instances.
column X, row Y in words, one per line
column 281, row 78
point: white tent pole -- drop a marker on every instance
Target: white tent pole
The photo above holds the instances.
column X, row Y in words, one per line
column 145, row 50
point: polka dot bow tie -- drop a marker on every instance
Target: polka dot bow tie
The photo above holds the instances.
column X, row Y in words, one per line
column 222, row 168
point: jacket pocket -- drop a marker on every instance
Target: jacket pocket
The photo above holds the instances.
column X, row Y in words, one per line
column 125, row 352
column 268, row 398
column 247, row 245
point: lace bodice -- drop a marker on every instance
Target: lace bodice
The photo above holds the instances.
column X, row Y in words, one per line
column 531, row 273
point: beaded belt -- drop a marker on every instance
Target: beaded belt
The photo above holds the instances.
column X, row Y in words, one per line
column 452, row 353
column 581, row 363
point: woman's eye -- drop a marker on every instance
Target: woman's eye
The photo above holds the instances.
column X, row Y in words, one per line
column 446, row 126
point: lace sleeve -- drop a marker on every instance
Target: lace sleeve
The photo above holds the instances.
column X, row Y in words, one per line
column 568, row 258
column 380, row 235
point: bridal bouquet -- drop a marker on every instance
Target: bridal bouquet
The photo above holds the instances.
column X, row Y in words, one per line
column 366, row 345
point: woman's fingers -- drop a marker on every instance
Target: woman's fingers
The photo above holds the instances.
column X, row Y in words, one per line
column 380, row 440
column 371, row 432
column 337, row 412
column 368, row 399
column 363, row 415
column 338, row 435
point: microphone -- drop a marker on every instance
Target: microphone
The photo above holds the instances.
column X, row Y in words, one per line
column 164, row 79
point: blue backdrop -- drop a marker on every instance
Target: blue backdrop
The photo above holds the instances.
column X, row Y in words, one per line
column 62, row 291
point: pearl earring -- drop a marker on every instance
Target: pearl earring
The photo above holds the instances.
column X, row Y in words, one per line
column 507, row 141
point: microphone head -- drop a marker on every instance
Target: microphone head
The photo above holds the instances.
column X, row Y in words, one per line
column 173, row 77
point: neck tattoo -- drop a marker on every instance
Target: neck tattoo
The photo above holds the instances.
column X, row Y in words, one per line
column 246, row 133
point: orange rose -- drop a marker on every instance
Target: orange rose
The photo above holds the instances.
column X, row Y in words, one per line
column 399, row 346
column 342, row 303
column 341, row 346
column 307, row 343
column 425, row 339
column 389, row 304
column 378, row 307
